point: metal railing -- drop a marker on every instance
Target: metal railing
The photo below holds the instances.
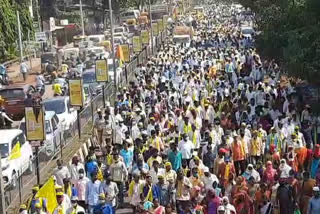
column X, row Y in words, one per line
column 87, row 115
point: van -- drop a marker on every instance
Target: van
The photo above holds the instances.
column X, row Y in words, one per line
column 96, row 38
column 129, row 14
column 14, row 165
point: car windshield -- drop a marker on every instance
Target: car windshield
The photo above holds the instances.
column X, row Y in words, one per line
column 118, row 30
column 4, row 149
column 48, row 127
column 89, row 77
column 12, row 93
column 94, row 39
column 127, row 14
column 247, row 31
column 58, row 106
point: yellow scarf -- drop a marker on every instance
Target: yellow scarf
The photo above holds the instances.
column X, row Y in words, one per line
column 131, row 186
column 99, row 174
column 194, row 138
column 179, row 188
column 149, row 195
column 187, row 128
column 227, row 171
column 109, row 159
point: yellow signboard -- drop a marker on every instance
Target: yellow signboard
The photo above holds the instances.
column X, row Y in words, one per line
column 165, row 21
column 136, row 43
column 126, row 52
column 76, row 92
column 34, row 118
column 155, row 29
column 145, row 37
column 102, row 70
column 160, row 25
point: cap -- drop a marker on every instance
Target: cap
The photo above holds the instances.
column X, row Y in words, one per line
column 59, row 194
column 98, row 110
column 160, row 176
column 37, row 205
column 35, row 188
column 74, row 198
column 102, row 196
column 316, row 189
column 205, row 169
column 23, row 206
column 108, row 104
column 167, row 164
column 221, row 208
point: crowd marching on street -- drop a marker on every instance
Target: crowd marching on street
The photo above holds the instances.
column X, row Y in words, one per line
column 207, row 127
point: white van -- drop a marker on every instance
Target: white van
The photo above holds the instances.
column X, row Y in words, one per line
column 129, row 14
column 95, row 39
column 11, row 168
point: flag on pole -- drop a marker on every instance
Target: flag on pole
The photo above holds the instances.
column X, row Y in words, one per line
column 119, row 55
column 15, row 152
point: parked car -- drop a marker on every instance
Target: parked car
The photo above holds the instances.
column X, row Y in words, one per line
column 14, row 167
column 14, row 96
column 89, row 78
column 66, row 114
column 54, row 134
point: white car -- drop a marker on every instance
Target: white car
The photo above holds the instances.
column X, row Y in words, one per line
column 247, row 31
column 61, row 106
column 14, row 167
column 54, row 134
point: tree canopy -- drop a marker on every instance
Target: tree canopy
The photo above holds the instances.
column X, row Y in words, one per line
column 9, row 27
column 290, row 33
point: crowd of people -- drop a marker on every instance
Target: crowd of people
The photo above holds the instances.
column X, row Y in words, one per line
column 206, row 127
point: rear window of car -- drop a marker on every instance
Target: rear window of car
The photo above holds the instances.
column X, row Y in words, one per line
column 12, row 93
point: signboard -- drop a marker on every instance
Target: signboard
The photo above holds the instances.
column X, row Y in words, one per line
column 52, row 24
column 145, row 37
column 165, row 21
column 160, row 25
column 64, row 22
column 136, row 43
column 155, row 29
column 34, row 117
column 102, row 70
column 41, row 36
column 76, row 92
column 126, row 52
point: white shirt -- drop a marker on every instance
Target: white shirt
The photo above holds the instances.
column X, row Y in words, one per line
column 61, row 174
column 74, row 171
column 186, row 148
column 111, row 191
column 208, row 181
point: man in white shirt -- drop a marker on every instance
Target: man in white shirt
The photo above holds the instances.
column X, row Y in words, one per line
column 208, row 179
column 186, row 148
column 76, row 208
column 61, row 172
column 92, row 192
column 110, row 189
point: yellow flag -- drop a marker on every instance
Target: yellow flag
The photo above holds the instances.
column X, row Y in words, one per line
column 48, row 191
column 16, row 151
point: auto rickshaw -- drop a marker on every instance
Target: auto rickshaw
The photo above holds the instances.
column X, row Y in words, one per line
column 106, row 44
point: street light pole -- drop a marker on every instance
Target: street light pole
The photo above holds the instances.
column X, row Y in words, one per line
column 81, row 14
column 20, row 39
column 150, row 15
column 112, row 47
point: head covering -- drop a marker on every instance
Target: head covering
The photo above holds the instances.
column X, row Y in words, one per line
column 316, row 189
column 35, row 188
column 59, row 194
column 23, row 206
column 221, row 208
column 167, row 164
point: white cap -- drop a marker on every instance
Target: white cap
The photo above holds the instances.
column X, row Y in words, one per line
column 98, row 110
column 205, row 169
column 108, row 104
column 221, row 208
column 316, row 189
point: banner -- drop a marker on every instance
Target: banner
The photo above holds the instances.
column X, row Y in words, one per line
column 102, row 70
column 136, row 43
column 160, row 25
column 76, row 92
column 35, row 121
column 48, row 191
column 126, row 52
column 145, row 37
column 155, row 29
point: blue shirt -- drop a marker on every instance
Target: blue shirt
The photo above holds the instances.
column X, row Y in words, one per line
column 127, row 157
column 175, row 160
column 314, row 206
column 103, row 209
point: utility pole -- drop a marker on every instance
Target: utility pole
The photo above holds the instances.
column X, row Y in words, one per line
column 82, row 22
column 20, row 39
column 2, row 203
column 151, row 33
column 112, row 47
